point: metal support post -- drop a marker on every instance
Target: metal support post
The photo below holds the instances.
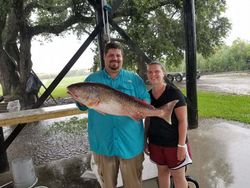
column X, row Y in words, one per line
column 3, row 155
column 100, row 37
column 190, row 34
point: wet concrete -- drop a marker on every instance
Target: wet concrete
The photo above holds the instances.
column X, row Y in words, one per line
column 75, row 173
column 220, row 154
column 49, row 140
column 236, row 83
column 230, row 82
column 220, row 160
column 64, row 173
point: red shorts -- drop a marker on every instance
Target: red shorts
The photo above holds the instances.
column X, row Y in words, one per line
column 162, row 155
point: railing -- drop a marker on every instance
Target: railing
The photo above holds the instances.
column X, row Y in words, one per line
column 38, row 114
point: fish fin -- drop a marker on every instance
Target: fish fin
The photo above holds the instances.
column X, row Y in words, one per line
column 168, row 110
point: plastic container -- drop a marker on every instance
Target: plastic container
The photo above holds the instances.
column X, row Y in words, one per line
column 23, row 172
column 14, row 106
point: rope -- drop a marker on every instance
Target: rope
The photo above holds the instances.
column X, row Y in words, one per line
column 103, row 17
column 106, row 8
column 107, row 27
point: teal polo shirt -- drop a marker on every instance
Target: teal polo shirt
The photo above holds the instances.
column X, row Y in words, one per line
column 111, row 135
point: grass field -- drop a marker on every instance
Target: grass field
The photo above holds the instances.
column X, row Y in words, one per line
column 60, row 90
column 210, row 104
column 226, row 106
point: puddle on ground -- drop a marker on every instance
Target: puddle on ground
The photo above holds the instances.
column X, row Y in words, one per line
column 220, row 154
column 46, row 141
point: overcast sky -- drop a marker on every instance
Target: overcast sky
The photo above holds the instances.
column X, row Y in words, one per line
column 238, row 13
column 51, row 57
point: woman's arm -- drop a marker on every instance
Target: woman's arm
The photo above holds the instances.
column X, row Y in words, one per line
column 181, row 114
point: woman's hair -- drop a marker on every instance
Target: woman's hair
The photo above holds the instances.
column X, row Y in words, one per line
column 158, row 63
column 162, row 68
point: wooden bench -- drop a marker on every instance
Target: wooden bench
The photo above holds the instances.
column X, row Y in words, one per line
column 32, row 115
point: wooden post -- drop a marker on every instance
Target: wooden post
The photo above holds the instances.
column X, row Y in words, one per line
column 190, row 34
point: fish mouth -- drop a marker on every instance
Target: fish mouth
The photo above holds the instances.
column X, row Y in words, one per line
column 72, row 94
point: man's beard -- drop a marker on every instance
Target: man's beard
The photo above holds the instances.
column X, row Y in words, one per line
column 114, row 66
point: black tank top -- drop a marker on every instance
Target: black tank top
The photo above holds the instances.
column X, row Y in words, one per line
column 160, row 132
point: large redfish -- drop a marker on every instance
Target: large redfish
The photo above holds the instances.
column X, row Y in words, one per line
column 107, row 100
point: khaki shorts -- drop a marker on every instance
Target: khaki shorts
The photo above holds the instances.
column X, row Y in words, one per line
column 108, row 168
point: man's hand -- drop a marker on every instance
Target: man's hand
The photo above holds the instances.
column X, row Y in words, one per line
column 137, row 116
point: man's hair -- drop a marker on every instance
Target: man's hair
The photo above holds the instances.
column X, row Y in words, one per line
column 112, row 45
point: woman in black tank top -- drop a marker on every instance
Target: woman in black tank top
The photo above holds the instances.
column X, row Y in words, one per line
column 165, row 143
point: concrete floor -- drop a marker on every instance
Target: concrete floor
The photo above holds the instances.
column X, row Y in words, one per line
column 220, row 160
column 220, row 154
column 228, row 82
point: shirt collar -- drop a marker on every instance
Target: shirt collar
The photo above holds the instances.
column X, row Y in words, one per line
column 107, row 74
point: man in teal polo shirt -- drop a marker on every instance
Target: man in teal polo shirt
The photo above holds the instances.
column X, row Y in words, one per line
column 117, row 141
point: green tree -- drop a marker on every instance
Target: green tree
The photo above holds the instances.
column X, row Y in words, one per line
column 20, row 21
column 156, row 26
column 229, row 58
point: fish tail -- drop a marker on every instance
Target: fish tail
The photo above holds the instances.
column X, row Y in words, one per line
column 167, row 110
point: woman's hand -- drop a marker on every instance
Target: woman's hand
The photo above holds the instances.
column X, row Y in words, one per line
column 146, row 151
column 181, row 153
